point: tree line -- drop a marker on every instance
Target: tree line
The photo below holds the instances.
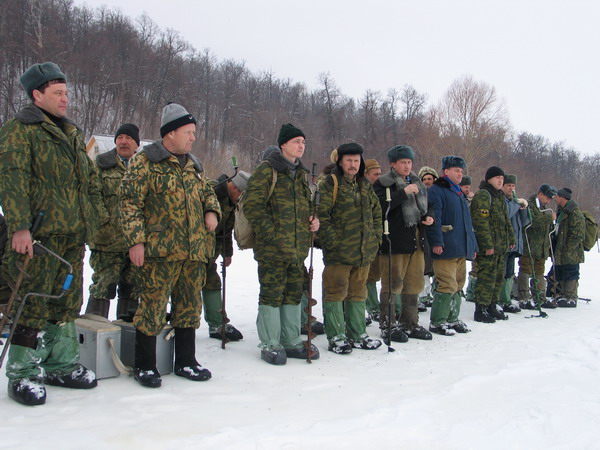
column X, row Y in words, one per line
column 124, row 69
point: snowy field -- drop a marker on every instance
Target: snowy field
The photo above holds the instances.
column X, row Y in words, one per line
column 526, row 383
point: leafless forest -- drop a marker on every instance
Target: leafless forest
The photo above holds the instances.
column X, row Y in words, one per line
column 125, row 69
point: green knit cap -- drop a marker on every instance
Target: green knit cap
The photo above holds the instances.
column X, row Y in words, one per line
column 39, row 74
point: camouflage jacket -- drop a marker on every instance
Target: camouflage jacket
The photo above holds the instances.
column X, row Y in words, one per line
column 224, row 231
column 493, row 230
column 111, row 169
column 281, row 224
column 350, row 230
column 538, row 233
column 163, row 206
column 44, row 169
column 570, row 235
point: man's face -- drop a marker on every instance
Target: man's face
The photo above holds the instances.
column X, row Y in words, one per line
column 233, row 192
column 496, row 182
column 428, row 180
column 455, row 174
column 560, row 201
column 466, row 190
column 350, row 165
column 508, row 189
column 293, row 149
column 180, row 141
column 54, row 99
column 544, row 199
column 126, row 146
column 373, row 174
column 402, row 166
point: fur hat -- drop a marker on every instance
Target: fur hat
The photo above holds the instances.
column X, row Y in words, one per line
column 494, row 171
column 130, row 130
column 287, row 132
column 174, row 116
column 466, row 181
column 39, row 74
column 548, row 190
column 400, row 152
column 427, row 171
column 241, row 180
column 453, row 161
column 510, row 179
column 351, row 148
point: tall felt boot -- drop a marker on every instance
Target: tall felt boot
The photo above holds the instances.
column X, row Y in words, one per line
column 127, row 302
column 145, row 371
column 62, row 361
column 185, row 356
column 372, row 302
column 409, row 316
column 25, row 380
column 471, row 289
column 268, row 324
column 98, row 306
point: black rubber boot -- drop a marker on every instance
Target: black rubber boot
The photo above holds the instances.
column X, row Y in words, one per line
column 497, row 312
column 98, row 306
column 185, row 356
column 482, row 314
column 145, row 371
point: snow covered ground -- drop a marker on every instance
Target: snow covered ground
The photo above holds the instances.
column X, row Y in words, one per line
column 523, row 383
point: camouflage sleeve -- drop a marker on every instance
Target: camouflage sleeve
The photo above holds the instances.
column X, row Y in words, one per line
column 327, row 234
column 480, row 215
column 576, row 232
column 95, row 193
column 255, row 200
column 132, row 196
column 539, row 219
column 15, row 173
column 377, row 215
column 209, row 198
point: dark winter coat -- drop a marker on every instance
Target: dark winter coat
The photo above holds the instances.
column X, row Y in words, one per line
column 350, row 229
column 403, row 237
column 281, row 223
column 538, row 233
column 450, row 210
column 490, row 220
column 570, row 235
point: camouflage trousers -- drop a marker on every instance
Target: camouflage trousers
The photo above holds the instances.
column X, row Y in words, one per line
column 111, row 270
column 526, row 270
column 213, row 280
column 450, row 274
column 182, row 281
column 490, row 276
column 46, row 275
column 345, row 283
column 280, row 283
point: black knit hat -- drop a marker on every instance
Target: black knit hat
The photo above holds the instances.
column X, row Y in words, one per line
column 288, row 132
column 39, row 74
column 494, row 171
column 466, row 181
column 174, row 116
column 400, row 152
column 130, row 130
column 565, row 193
column 452, row 161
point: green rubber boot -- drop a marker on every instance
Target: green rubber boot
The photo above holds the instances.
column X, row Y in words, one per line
column 354, row 313
column 372, row 302
column 335, row 324
column 471, row 289
column 440, row 309
column 211, row 299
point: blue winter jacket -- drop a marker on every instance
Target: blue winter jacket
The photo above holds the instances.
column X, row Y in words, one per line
column 452, row 228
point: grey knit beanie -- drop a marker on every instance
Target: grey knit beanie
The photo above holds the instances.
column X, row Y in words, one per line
column 174, row 116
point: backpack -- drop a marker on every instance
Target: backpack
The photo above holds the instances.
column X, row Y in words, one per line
column 591, row 231
column 242, row 230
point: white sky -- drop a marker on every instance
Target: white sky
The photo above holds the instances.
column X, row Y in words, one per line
column 541, row 56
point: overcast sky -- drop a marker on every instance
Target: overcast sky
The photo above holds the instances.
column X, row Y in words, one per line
column 541, row 56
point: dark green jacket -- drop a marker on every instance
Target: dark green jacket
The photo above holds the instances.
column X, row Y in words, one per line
column 571, row 233
column 538, row 233
column 45, row 169
column 492, row 228
column 280, row 224
column 163, row 206
column 350, row 230
column 112, row 169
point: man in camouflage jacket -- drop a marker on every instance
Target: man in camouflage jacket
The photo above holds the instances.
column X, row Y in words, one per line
column 228, row 191
column 109, row 257
column 495, row 236
column 569, row 247
column 536, row 248
column 45, row 174
column 169, row 213
column 350, row 233
column 281, row 218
